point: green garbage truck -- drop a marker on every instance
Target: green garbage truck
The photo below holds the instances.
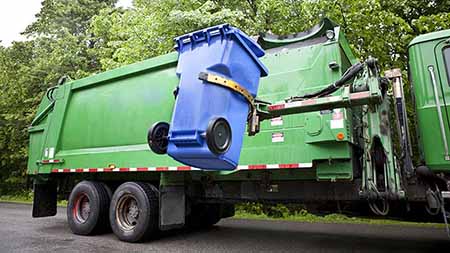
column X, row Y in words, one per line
column 324, row 128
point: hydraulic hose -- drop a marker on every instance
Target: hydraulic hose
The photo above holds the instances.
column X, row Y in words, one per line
column 49, row 93
column 51, row 90
column 349, row 74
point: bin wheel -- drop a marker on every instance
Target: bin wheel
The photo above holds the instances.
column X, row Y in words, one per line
column 218, row 136
column 134, row 212
column 157, row 137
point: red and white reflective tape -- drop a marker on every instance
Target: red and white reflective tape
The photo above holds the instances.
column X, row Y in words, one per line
column 51, row 161
column 184, row 168
column 360, row 95
column 312, row 101
column 276, row 107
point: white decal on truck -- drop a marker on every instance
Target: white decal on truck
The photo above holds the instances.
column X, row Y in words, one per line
column 277, row 137
column 336, row 123
column 278, row 121
column 51, row 153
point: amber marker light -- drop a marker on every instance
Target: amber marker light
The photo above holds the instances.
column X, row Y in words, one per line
column 340, row 136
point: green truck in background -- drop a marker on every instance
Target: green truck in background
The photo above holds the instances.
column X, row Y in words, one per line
column 311, row 142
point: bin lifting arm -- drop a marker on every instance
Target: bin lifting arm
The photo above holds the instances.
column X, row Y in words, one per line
column 367, row 89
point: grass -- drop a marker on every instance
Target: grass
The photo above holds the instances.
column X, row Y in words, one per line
column 301, row 216
column 334, row 218
column 25, row 199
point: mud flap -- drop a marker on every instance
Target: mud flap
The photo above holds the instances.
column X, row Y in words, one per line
column 172, row 207
column 44, row 200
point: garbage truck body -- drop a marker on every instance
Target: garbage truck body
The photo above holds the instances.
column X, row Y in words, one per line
column 314, row 143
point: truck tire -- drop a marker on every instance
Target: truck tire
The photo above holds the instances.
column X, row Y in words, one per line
column 108, row 190
column 212, row 215
column 204, row 215
column 134, row 212
column 227, row 210
column 87, row 210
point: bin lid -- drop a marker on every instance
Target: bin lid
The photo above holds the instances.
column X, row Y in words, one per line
column 256, row 49
column 205, row 34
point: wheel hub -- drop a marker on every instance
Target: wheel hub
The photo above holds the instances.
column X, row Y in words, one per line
column 127, row 212
column 133, row 212
column 82, row 208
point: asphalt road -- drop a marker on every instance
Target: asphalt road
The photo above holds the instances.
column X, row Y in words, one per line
column 21, row 233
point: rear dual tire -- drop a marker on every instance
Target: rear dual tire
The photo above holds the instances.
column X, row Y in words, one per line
column 134, row 212
column 206, row 215
column 87, row 210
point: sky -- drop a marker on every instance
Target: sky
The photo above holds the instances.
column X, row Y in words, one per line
column 16, row 15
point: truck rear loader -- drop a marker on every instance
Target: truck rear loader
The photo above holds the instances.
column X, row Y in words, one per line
column 323, row 128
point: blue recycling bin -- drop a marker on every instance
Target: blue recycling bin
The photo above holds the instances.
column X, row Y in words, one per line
column 209, row 120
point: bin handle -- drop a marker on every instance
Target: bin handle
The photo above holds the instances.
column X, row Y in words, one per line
column 198, row 36
column 230, row 84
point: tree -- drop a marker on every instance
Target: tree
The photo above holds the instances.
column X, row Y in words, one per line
column 60, row 44
column 16, row 110
column 58, row 17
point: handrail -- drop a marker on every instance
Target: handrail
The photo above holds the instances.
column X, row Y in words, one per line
column 438, row 108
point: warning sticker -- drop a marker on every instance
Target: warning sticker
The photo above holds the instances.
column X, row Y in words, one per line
column 51, row 153
column 277, row 137
column 278, row 121
column 336, row 123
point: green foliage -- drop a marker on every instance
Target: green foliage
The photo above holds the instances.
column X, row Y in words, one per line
column 431, row 23
column 59, row 45
column 58, row 17
column 250, row 207
column 271, row 210
column 16, row 109
column 377, row 28
column 25, row 197
column 298, row 214
column 81, row 37
column 276, row 211
column 22, row 196
column 126, row 36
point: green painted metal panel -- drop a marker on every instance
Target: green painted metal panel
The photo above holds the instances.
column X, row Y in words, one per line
column 425, row 52
column 430, row 37
column 102, row 120
column 38, row 132
column 334, row 170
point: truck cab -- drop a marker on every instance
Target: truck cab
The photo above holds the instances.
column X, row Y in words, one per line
column 429, row 70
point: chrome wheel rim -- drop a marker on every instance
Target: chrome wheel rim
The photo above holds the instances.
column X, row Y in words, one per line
column 82, row 208
column 127, row 212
